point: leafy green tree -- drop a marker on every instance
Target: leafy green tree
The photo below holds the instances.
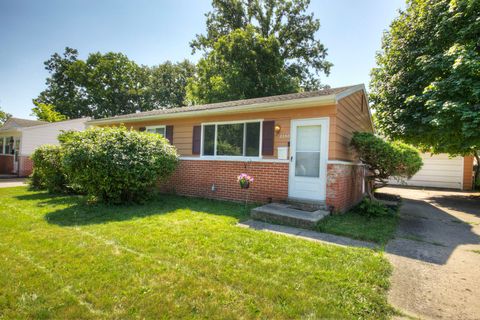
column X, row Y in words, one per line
column 4, row 116
column 111, row 84
column 63, row 88
column 426, row 88
column 242, row 64
column 304, row 56
column 168, row 82
column 46, row 112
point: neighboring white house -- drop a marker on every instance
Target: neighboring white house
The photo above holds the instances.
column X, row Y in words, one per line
column 20, row 137
column 441, row 171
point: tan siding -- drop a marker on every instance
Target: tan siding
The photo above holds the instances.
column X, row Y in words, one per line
column 183, row 128
column 350, row 118
column 468, row 173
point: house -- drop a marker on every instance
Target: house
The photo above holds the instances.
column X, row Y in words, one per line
column 294, row 145
column 442, row 171
column 20, row 137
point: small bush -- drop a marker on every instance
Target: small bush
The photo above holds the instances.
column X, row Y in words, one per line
column 116, row 165
column 371, row 208
column 385, row 159
column 47, row 169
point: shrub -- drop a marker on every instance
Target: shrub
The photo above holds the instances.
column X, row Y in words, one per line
column 371, row 208
column 116, row 165
column 47, row 169
column 385, row 159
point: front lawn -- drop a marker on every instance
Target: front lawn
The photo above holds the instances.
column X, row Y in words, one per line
column 356, row 226
column 173, row 257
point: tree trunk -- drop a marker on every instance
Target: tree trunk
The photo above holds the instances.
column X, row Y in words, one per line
column 369, row 184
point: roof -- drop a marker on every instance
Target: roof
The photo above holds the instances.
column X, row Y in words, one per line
column 18, row 123
column 328, row 95
column 56, row 123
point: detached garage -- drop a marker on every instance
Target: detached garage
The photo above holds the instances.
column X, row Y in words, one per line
column 441, row 171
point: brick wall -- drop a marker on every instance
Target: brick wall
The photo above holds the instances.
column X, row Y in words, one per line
column 344, row 186
column 25, row 166
column 6, row 164
column 196, row 177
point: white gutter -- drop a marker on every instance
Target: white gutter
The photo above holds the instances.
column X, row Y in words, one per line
column 257, row 107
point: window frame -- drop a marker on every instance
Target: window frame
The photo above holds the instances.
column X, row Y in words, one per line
column 157, row 127
column 2, row 149
column 243, row 157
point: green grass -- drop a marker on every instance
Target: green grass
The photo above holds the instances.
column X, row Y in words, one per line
column 173, row 257
column 353, row 225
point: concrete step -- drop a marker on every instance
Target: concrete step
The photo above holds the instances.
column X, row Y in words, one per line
column 307, row 205
column 283, row 213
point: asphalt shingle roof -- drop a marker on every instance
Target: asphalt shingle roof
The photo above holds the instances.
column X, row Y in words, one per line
column 228, row 104
column 13, row 123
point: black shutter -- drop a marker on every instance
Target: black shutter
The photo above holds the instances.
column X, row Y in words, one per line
column 197, row 135
column 268, row 134
column 169, row 133
column 142, row 129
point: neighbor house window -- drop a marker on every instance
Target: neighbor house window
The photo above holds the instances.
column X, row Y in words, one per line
column 241, row 139
column 8, row 145
column 157, row 129
column 2, row 143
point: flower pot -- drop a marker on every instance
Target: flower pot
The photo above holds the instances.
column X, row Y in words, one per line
column 245, row 184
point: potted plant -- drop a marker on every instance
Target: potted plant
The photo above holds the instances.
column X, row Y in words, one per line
column 244, row 180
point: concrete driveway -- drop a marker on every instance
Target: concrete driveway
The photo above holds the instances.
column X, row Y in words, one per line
column 436, row 254
column 15, row 182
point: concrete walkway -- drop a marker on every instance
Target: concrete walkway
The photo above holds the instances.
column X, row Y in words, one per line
column 307, row 234
column 16, row 182
column 436, row 254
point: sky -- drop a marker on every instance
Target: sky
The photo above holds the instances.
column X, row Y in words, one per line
column 151, row 32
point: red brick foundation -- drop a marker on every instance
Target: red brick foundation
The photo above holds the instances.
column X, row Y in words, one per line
column 25, row 166
column 196, row 178
column 6, row 164
column 344, row 186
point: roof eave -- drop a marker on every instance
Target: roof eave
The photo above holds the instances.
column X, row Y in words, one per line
column 257, row 107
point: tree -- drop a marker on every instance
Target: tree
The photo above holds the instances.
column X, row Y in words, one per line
column 385, row 159
column 110, row 84
column 242, row 64
column 285, row 20
column 4, row 116
column 63, row 88
column 168, row 82
column 426, row 88
column 46, row 112
column 113, row 84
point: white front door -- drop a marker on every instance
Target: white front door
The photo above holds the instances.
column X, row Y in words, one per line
column 308, row 159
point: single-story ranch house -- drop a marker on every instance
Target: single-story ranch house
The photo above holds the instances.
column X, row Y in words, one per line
column 20, row 137
column 294, row 145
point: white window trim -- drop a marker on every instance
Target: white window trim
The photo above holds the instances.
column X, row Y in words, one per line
column 158, row 127
column 155, row 127
column 243, row 158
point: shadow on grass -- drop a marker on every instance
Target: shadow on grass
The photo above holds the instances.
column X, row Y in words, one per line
column 75, row 210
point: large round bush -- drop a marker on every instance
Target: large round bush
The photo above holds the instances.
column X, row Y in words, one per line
column 117, row 165
column 47, row 169
column 385, row 159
